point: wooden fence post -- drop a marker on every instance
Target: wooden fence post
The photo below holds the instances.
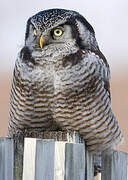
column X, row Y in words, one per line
column 114, row 165
column 51, row 160
column 6, row 159
column 63, row 158
column 38, row 159
column 54, row 160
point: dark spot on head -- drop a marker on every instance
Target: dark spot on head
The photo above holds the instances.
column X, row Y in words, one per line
column 73, row 59
column 101, row 56
column 26, row 56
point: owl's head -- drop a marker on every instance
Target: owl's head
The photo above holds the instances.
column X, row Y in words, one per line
column 57, row 28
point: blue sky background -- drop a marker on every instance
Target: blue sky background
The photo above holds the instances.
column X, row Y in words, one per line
column 108, row 18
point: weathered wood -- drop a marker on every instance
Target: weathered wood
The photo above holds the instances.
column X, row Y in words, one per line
column 114, row 165
column 67, row 135
column 47, row 158
column 59, row 161
column 6, row 159
column 38, row 159
column 44, row 166
column 75, row 162
column 89, row 166
column 18, row 156
column 56, row 160
column 29, row 159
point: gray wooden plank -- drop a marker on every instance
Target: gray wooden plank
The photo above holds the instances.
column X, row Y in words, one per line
column 44, row 161
column 74, row 161
column 18, row 155
column 89, row 166
column 114, row 165
column 6, row 159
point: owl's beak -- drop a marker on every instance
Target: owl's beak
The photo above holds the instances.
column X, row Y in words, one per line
column 41, row 41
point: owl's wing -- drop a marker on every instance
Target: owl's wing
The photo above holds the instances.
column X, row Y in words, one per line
column 105, row 75
column 100, row 129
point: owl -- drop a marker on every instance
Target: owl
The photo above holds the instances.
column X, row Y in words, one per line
column 61, row 81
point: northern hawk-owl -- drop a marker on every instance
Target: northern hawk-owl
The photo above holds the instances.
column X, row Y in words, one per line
column 61, row 81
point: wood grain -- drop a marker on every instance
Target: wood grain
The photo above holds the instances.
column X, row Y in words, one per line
column 114, row 165
column 74, row 162
column 6, row 159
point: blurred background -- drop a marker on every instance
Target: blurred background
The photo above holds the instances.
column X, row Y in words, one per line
column 109, row 19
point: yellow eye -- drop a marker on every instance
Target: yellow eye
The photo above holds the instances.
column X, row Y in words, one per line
column 58, row 32
column 34, row 32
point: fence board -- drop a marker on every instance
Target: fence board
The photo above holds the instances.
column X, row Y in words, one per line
column 74, row 162
column 6, row 159
column 29, row 159
column 59, row 161
column 89, row 166
column 114, row 166
column 56, row 160
column 38, row 155
column 18, row 156
column 44, row 166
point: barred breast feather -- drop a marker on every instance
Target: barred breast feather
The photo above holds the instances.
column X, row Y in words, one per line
column 69, row 96
column 82, row 102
